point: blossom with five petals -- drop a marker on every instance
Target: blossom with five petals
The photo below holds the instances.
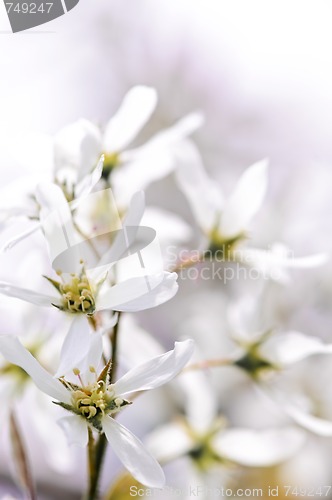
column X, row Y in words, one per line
column 93, row 402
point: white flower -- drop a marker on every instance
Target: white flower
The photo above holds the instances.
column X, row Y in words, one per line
column 94, row 402
column 259, row 349
column 221, row 220
column 206, row 440
column 226, row 222
column 89, row 290
column 76, row 193
column 78, row 145
column 304, row 393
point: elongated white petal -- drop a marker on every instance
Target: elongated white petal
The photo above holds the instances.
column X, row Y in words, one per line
column 133, row 455
column 258, row 448
column 93, row 358
column 309, row 261
column 245, row 200
column 77, row 146
column 146, row 346
column 170, row 442
column 36, row 298
column 76, row 430
column 158, row 294
column 317, row 425
column 292, row 347
column 20, row 237
column 75, row 346
column 125, row 239
column 86, row 185
column 167, row 138
column 8, row 213
column 56, row 219
column 199, row 399
column 50, row 197
column 12, row 349
column 275, row 262
column 138, row 294
column 135, row 110
column 203, row 194
column 157, row 371
column 169, row 226
column 154, row 160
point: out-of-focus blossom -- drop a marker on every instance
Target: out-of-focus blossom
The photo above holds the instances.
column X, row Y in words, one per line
column 78, row 146
column 226, row 223
column 208, row 442
column 259, row 348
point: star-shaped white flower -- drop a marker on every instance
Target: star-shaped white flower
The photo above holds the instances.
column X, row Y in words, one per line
column 88, row 290
column 258, row 349
column 206, row 439
column 78, row 145
column 93, row 402
column 225, row 222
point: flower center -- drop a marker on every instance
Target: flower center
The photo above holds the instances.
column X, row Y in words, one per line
column 96, row 398
column 223, row 248
column 77, row 296
column 111, row 160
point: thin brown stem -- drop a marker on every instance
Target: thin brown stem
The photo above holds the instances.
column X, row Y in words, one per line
column 21, row 459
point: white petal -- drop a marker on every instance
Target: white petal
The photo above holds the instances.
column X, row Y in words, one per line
column 138, row 294
column 136, row 210
column 258, row 448
column 200, row 400
column 169, row 442
column 146, row 346
column 133, row 455
column 245, row 200
column 203, row 194
column 125, row 238
column 14, row 352
column 135, row 110
column 273, row 263
column 317, row 425
column 27, row 295
column 75, row 346
column 86, row 185
column 158, row 293
column 292, row 347
column 168, row 225
column 56, row 219
column 245, row 319
column 168, row 138
column 22, row 236
column 154, row 160
column 93, row 358
column 77, row 146
column 50, row 197
column 157, row 371
column 75, row 429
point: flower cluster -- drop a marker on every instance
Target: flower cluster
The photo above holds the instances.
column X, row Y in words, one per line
column 98, row 261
